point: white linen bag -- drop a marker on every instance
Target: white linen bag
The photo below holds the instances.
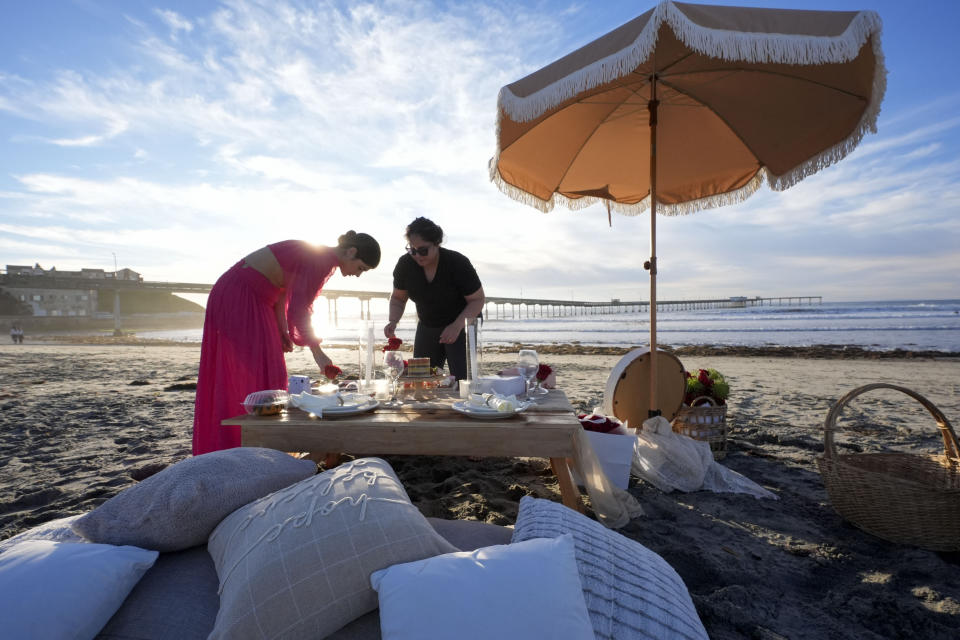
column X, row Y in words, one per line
column 669, row 460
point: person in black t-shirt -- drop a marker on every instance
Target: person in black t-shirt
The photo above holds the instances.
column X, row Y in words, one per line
column 446, row 289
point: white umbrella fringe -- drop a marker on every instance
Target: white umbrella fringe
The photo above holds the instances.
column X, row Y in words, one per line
column 728, row 45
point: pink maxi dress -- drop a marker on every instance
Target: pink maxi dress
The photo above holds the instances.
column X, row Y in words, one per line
column 242, row 351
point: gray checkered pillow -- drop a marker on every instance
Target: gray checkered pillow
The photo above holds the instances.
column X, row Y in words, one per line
column 178, row 508
column 297, row 563
column 631, row 592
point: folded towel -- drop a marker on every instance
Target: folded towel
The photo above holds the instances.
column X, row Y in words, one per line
column 500, row 385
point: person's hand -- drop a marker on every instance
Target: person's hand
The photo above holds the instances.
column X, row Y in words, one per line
column 321, row 359
column 286, row 342
column 389, row 329
column 451, row 333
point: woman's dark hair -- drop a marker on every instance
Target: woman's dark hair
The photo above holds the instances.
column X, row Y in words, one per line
column 426, row 229
column 367, row 248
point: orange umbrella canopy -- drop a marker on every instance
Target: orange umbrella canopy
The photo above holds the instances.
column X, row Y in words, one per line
column 687, row 107
column 743, row 95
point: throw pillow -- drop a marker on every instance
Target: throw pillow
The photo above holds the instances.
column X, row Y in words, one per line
column 297, row 564
column 518, row 591
column 178, row 507
column 630, row 591
column 66, row 589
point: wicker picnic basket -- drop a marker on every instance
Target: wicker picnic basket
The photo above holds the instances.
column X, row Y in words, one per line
column 907, row 498
column 707, row 422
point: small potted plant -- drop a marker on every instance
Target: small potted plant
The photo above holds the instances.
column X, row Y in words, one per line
column 704, row 386
column 703, row 415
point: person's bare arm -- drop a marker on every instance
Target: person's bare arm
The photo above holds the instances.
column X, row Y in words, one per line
column 474, row 306
column 398, row 302
column 280, row 309
column 320, row 357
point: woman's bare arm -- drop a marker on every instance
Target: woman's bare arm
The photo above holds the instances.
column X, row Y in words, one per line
column 398, row 302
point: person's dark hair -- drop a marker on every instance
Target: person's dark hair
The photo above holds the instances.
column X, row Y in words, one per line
column 426, row 229
column 367, row 248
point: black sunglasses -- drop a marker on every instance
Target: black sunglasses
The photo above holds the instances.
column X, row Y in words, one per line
column 422, row 251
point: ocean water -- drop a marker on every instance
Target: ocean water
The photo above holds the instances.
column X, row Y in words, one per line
column 927, row 325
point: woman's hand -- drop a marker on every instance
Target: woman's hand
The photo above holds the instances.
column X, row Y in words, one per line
column 451, row 333
column 389, row 329
column 285, row 341
column 320, row 358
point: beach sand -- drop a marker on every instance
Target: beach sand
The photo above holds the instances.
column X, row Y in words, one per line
column 80, row 422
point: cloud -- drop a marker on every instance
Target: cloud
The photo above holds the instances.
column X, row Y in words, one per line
column 174, row 21
column 217, row 131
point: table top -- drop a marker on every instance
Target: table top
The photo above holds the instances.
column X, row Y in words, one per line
column 441, row 406
column 545, row 429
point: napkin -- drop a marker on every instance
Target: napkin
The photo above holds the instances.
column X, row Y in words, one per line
column 505, row 404
column 316, row 404
column 500, row 385
column 602, row 424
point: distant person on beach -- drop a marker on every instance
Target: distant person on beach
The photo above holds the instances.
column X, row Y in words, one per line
column 16, row 334
column 256, row 311
column 446, row 289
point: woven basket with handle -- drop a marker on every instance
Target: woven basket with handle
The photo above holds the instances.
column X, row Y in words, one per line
column 907, row 498
column 707, row 422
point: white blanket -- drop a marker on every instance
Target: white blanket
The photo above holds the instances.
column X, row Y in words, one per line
column 669, row 461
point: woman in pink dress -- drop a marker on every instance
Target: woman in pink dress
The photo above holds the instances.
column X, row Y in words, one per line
column 257, row 311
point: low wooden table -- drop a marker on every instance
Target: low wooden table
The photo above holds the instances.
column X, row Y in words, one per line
column 547, row 429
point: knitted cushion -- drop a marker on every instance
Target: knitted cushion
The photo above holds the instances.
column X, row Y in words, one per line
column 630, row 591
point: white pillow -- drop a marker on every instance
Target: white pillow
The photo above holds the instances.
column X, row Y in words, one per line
column 524, row 590
column 297, row 563
column 66, row 589
column 630, row 591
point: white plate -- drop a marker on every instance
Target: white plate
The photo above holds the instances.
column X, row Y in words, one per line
column 486, row 413
column 351, row 409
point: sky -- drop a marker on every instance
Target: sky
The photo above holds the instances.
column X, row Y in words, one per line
column 175, row 137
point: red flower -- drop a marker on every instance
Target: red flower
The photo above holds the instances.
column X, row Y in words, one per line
column 393, row 344
column 332, row 371
column 543, row 372
column 705, row 378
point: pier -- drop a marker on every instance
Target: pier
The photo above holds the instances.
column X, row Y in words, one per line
column 496, row 307
column 532, row 308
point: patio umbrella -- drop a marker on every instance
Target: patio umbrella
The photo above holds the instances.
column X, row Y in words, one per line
column 688, row 107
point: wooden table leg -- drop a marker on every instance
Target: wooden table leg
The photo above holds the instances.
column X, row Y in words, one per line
column 569, row 494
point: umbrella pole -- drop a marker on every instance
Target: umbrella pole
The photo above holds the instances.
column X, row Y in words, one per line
column 651, row 265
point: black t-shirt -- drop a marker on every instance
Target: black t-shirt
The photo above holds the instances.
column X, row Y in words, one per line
column 441, row 301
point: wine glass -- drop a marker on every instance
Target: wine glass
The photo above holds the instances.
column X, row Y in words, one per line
column 393, row 367
column 528, row 362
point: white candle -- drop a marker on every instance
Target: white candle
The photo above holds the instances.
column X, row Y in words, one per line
column 472, row 341
column 369, row 374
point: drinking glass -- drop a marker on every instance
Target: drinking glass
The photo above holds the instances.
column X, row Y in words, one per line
column 393, row 367
column 528, row 362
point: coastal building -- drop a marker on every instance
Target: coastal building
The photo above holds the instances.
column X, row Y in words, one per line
column 61, row 302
